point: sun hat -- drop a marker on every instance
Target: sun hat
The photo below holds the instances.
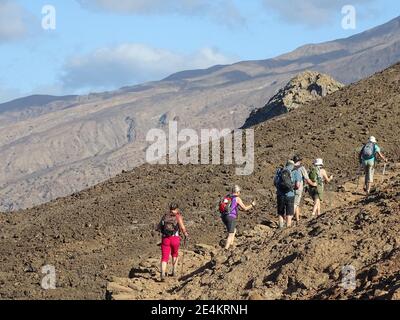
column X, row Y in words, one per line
column 319, row 162
column 372, row 139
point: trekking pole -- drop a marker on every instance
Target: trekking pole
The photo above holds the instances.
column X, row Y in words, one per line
column 384, row 172
column 183, row 255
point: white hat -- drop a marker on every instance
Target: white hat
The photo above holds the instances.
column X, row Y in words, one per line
column 319, row 162
column 372, row 139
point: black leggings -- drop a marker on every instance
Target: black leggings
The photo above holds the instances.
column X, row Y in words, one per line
column 230, row 223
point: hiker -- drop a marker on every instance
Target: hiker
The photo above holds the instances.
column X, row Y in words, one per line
column 286, row 181
column 229, row 209
column 171, row 226
column 305, row 179
column 318, row 175
column 368, row 160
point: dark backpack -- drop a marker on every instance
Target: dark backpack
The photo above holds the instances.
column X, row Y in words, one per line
column 283, row 181
column 368, row 152
column 225, row 206
column 169, row 225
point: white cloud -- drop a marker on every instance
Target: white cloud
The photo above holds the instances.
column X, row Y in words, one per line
column 221, row 11
column 133, row 63
column 309, row 12
column 14, row 21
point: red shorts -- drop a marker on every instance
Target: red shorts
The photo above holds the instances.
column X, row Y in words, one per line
column 170, row 246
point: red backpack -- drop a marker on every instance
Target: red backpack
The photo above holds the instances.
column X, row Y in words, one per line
column 225, row 206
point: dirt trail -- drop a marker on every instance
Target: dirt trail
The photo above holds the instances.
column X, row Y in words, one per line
column 205, row 265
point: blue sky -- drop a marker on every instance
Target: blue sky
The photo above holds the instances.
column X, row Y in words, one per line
column 102, row 44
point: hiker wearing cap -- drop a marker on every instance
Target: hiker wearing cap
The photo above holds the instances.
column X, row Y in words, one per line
column 171, row 226
column 229, row 208
column 286, row 181
column 319, row 176
column 368, row 161
column 305, row 179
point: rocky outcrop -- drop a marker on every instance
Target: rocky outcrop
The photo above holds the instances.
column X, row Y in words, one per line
column 302, row 89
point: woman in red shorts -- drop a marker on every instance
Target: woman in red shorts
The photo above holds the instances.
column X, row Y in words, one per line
column 171, row 226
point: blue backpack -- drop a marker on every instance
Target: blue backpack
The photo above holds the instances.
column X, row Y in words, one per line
column 368, row 151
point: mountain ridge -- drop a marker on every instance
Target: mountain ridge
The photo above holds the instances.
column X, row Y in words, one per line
column 301, row 50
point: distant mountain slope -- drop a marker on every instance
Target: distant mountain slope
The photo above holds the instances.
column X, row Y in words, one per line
column 62, row 147
column 32, row 101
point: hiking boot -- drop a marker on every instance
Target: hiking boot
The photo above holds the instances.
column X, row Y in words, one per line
column 162, row 279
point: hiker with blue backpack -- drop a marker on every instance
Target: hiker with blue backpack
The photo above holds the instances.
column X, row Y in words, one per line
column 368, row 159
column 229, row 208
column 286, row 181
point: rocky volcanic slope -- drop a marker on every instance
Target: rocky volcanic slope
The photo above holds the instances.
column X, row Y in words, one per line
column 51, row 148
column 107, row 230
column 305, row 262
column 300, row 90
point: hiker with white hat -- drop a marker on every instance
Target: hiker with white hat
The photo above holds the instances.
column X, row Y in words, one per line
column 318, row 175
column 368, row 160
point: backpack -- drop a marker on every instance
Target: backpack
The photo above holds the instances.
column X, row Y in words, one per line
column 368, row 152
column 315, row 175
column 283, row 181
column 169, row 225
column 225, row 206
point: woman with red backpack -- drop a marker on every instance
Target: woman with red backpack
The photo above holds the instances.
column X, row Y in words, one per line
column 171, row 226
column 229, row 209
